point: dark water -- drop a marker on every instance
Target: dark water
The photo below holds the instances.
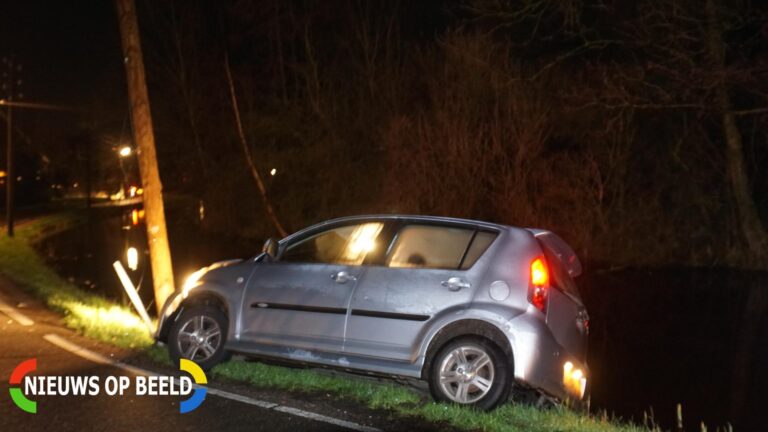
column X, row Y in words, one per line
column 85, row 255
column 698, row 337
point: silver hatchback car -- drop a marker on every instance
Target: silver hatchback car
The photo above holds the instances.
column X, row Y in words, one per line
column 474, row 308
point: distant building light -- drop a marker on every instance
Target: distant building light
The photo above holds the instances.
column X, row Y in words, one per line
column 273, row 172
column 2, row 174
column 18, row 178
column 125, row 151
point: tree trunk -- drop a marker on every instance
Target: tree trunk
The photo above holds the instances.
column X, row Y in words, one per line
column 753, row 233
column 157, row 236
column 752, row 230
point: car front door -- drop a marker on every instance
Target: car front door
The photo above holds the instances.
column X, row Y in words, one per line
column 427, row 270
column 301, row 300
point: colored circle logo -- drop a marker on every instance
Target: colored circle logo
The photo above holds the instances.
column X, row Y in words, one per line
column 198, row 396
column 17, row 376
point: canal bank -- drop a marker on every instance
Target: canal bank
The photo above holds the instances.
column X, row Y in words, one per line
column 95, row 316
column 659, row 337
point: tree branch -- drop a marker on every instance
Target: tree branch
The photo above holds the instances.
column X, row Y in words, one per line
column 247, row 154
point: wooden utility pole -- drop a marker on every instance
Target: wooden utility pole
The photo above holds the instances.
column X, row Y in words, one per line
column 9, row 85
column 10, row 176
column 157, row 236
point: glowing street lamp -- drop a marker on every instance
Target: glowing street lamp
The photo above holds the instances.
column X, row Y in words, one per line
column 124, row 152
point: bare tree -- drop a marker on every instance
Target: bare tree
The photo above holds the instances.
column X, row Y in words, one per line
column 754, row 233
column 248, row 158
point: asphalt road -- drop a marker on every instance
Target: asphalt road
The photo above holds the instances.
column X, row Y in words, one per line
column 131, row 412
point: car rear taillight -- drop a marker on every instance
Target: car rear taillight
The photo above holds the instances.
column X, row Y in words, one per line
column 537, row 290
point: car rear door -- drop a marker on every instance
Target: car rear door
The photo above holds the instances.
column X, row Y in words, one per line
column 427, row 270
column 301, row 300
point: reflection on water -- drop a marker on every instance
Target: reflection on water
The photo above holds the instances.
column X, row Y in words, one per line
column 85, row 255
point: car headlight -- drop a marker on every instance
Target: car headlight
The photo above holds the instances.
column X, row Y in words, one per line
column 192, row 281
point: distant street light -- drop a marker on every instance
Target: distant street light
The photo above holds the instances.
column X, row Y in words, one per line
column 273, row 172
column 132, row 256
column 124, row 152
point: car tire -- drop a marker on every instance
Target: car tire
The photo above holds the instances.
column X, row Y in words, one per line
column 471, row 371
column 199, row 334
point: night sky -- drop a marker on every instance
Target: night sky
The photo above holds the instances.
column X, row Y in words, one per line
column 70, row 52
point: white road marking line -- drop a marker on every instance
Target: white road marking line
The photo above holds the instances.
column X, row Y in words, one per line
column 98, row 358
column 93, row 356
column 243, row 399
column 325, row 419
column 14, row 314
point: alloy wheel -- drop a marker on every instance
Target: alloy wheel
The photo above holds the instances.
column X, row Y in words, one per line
column 199, row 338
column 466, row 374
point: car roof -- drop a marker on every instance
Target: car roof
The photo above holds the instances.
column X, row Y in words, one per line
column 418, row 218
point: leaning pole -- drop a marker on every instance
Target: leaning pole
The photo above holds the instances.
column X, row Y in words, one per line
column 157, row 236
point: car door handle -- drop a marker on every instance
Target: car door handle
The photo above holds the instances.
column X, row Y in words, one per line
column 342, row 277
column 456, row 283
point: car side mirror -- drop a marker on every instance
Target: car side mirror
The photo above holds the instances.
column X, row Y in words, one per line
column 270, row 249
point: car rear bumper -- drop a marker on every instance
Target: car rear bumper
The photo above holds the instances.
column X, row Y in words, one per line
column 541, row 363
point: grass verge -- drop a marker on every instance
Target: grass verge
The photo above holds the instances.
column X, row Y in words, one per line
column 405, row 401
column 106, row 321
column 89, row 314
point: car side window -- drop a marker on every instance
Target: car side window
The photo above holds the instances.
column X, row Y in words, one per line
column 348, row 245
column 429, row 246
column 480, row 243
